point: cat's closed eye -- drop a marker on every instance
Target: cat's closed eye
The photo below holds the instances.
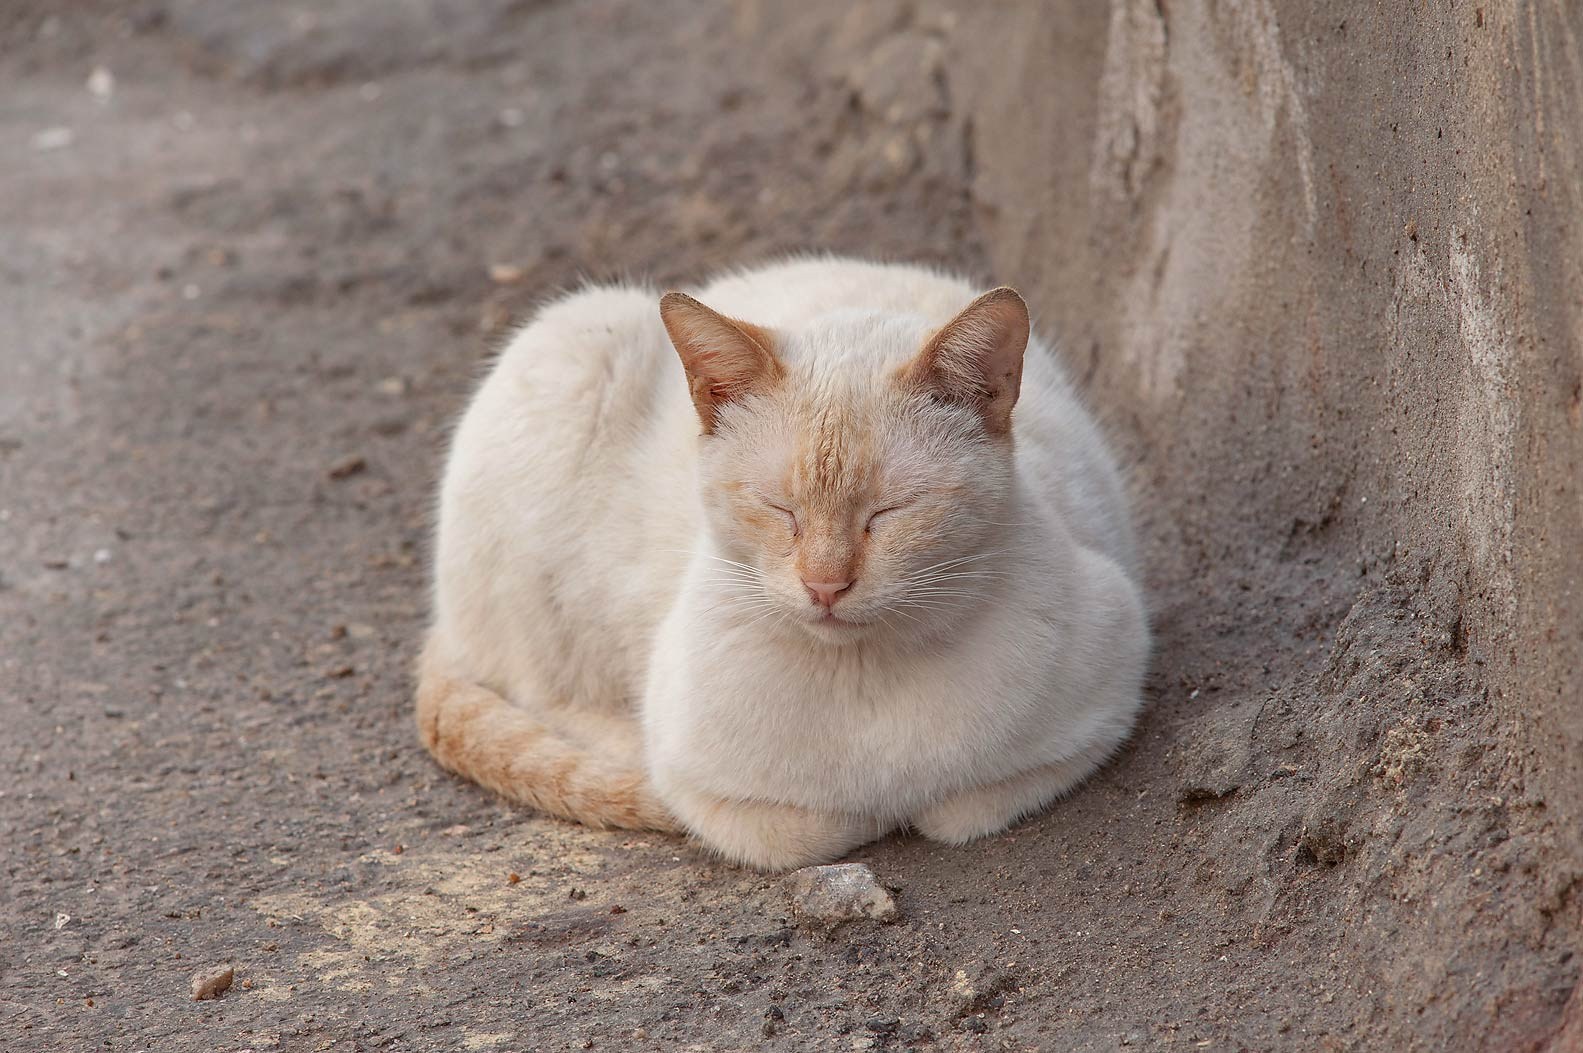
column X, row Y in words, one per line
column 791, row 517
column 877, row 516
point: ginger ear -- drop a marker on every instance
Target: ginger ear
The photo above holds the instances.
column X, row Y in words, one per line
column 724, row 358
column 976, row 359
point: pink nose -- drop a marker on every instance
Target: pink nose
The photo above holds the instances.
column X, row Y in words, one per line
column 825, row 593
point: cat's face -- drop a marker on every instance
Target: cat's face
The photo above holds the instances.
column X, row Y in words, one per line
column 857, row 491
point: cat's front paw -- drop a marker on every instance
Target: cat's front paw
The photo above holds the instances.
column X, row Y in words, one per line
column 778, row 837
column 965, row 817
column 768, row 836
column 985, row 810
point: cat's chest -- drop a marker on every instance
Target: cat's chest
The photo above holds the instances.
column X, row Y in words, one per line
column 850, row 733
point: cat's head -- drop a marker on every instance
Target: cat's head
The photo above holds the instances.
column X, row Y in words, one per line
column 856, row 470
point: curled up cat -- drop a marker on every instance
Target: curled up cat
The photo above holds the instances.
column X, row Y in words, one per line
column 831, row 550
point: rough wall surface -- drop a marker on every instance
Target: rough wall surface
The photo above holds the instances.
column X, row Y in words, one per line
column 1326, row 263
column 1329, row 265
column 1318, row 266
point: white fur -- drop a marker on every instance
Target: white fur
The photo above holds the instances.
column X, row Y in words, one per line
column 578, row 574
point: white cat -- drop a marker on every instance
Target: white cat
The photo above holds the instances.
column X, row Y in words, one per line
column 787, row 576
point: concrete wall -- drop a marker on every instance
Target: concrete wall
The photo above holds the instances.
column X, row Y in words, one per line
column 1327, row 262
column 1321, row 267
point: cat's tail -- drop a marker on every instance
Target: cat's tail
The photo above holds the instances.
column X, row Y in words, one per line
column 477, row 734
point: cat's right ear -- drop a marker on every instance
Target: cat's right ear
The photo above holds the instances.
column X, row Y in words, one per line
column 724, row 358
column 976, row 359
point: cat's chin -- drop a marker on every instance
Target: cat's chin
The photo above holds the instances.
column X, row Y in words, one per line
column 835, row 629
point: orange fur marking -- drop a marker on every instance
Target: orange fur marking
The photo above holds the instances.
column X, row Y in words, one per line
column 833, row 473
column 475, row 733
column 725, row 358
column 976, row 357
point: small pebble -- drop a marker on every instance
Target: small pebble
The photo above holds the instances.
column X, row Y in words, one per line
column 212, row 983
column 101, row 84
column 837, row 893
column 506, row 273
column 347, row 467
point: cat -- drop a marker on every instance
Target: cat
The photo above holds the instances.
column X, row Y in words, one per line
column 784, row 572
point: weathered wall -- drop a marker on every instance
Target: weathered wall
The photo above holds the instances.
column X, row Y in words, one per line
column 1329, row 261
column 1324, row 263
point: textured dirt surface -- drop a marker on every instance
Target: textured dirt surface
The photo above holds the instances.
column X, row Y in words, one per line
column 245, row 282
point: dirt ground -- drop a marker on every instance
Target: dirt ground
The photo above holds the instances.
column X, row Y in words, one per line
column 246, row 281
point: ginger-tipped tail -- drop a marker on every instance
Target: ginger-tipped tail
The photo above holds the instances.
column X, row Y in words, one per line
column 477, row 734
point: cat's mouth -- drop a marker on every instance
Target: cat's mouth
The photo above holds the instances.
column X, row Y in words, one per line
column 831, row 620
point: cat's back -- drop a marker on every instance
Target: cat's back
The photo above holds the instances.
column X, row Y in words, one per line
column 584, row 414
column 592, row 362
column 560, row 530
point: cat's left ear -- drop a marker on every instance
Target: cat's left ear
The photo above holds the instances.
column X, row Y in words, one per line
column 976, row 359
column 724, row 358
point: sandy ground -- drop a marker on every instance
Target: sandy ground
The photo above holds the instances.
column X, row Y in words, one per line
column 245, row 282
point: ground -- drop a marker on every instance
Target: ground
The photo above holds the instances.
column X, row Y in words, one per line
column 253, row 260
